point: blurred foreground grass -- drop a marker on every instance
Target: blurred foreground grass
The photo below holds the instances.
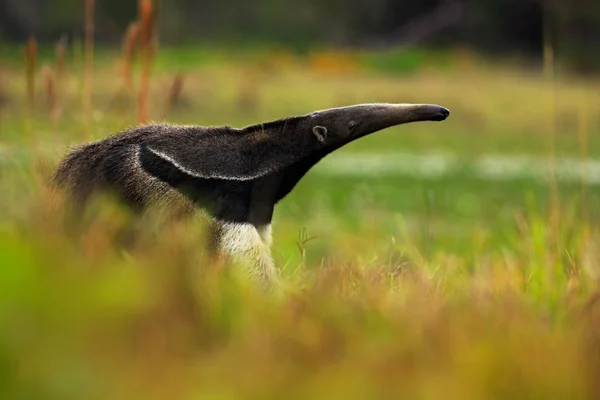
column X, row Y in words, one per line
column 449, row 287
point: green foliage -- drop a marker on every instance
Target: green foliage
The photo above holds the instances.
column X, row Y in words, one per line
column 487, row 25
column 405, row 62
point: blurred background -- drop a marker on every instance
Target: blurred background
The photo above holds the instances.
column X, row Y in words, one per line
column 520, row 78
column 430, row 260
column 489, row 26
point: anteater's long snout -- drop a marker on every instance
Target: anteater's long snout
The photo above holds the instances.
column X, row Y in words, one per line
column 439, row 113
column 375, row 117
column 419, row 112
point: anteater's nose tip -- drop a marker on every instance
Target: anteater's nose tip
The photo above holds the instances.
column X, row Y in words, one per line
column 442, row 114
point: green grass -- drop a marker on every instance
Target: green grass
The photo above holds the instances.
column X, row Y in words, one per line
column 415, row 287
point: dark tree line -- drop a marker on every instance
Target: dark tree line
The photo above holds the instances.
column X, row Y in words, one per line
column 489, row 25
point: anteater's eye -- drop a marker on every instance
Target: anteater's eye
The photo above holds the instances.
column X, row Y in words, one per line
column 351, row 124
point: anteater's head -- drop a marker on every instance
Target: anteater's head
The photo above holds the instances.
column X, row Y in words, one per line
column 341, row 125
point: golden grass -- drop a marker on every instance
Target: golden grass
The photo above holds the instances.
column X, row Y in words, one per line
column 117, row 318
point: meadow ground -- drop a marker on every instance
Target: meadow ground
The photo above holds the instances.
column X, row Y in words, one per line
column 433, row 260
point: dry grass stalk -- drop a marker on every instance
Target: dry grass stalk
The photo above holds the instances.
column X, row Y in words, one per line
column 49, row 87
column 146, row 10
column 30, row 61
column 50, row 81
column 175, row 90
column 129, row 44
column 248, row 91
column 3, row 95
column 61, row 53
column 61, row 68
column 89, row 58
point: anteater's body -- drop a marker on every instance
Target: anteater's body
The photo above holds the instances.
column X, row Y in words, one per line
column 234, row 176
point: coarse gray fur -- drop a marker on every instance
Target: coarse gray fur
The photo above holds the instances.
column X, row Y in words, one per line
column 235, row 176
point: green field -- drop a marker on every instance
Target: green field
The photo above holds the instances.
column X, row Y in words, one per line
column 420, row 279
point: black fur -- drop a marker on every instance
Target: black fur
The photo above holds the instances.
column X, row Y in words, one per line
column 226, row 200
column 236, row 175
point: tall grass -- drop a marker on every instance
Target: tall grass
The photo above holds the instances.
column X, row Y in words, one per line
column 61, row 58
column 146, row 41
column 130, row 42
column 95, row 317
column 30, row 67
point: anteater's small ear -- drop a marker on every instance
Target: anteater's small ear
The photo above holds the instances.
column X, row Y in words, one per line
column 320, row 133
